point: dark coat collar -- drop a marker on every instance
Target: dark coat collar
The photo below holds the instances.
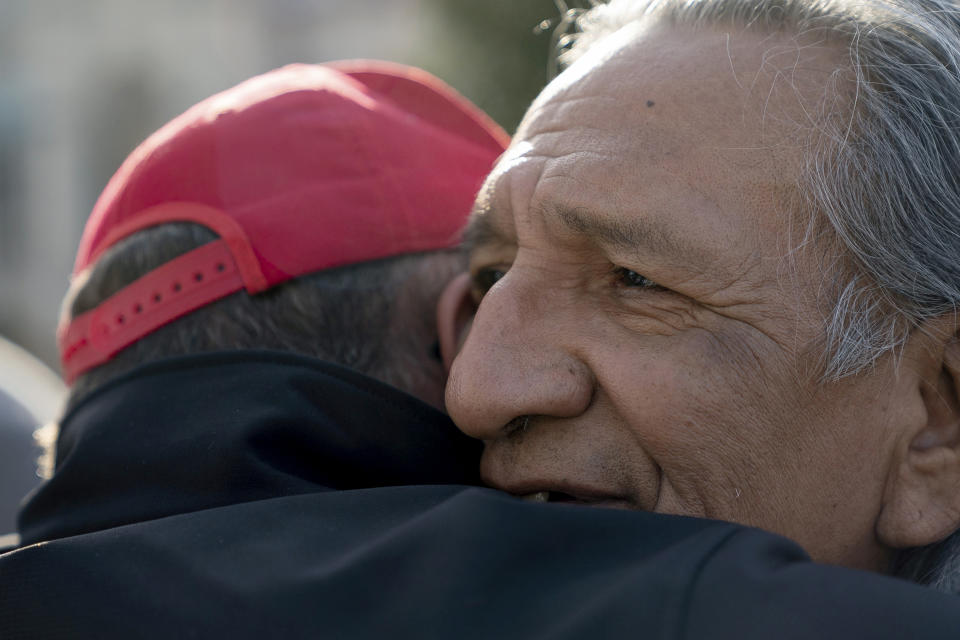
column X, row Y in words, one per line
column 209, row 430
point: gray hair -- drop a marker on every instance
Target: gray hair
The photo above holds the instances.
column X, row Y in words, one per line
column 885, row 178
column 376, row 317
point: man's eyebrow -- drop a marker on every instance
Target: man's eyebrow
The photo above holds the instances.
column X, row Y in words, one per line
column 481, row 230
column 627, row 235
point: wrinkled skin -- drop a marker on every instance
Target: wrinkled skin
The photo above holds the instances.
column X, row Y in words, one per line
column 645, row 337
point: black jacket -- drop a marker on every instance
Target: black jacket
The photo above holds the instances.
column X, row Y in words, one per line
column 264, row 495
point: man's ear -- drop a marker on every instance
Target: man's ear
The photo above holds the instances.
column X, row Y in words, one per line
column 922, row 498
column 455, row 311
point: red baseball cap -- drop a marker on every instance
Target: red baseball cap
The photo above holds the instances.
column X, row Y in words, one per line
column 304, row 168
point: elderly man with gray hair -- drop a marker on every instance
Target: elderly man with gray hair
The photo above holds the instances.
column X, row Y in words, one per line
column 718, row 273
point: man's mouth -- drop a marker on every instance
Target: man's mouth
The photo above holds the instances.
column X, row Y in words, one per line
column 539, row 496
column 566, row 498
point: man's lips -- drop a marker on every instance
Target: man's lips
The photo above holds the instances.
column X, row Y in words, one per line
column 590, row 499
column 538, row 496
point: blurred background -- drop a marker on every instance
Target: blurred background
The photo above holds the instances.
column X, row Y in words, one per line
column 84, row 82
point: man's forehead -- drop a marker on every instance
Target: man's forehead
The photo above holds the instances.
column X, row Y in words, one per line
column 580, row 181
column 735, row 81
column 625, row 146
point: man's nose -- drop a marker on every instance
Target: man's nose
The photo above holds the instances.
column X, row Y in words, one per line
column 517, row 361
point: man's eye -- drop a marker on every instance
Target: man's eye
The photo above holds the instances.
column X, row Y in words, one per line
column 485, row 278
column 630, row 278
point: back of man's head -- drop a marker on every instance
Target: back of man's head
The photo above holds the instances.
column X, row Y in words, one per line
column 314, row 209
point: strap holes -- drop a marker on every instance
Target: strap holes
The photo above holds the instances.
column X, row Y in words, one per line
column 221, row 267
column 138, row 308
column 157, row 297
column 177, row 286
column 198, row 277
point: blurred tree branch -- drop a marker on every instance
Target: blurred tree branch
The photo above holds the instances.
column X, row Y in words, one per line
column 496, row 52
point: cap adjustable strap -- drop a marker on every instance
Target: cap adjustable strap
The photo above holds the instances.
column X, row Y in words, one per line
column 170, row 291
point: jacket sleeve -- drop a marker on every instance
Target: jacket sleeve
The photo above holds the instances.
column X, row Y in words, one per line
column 749, row 588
